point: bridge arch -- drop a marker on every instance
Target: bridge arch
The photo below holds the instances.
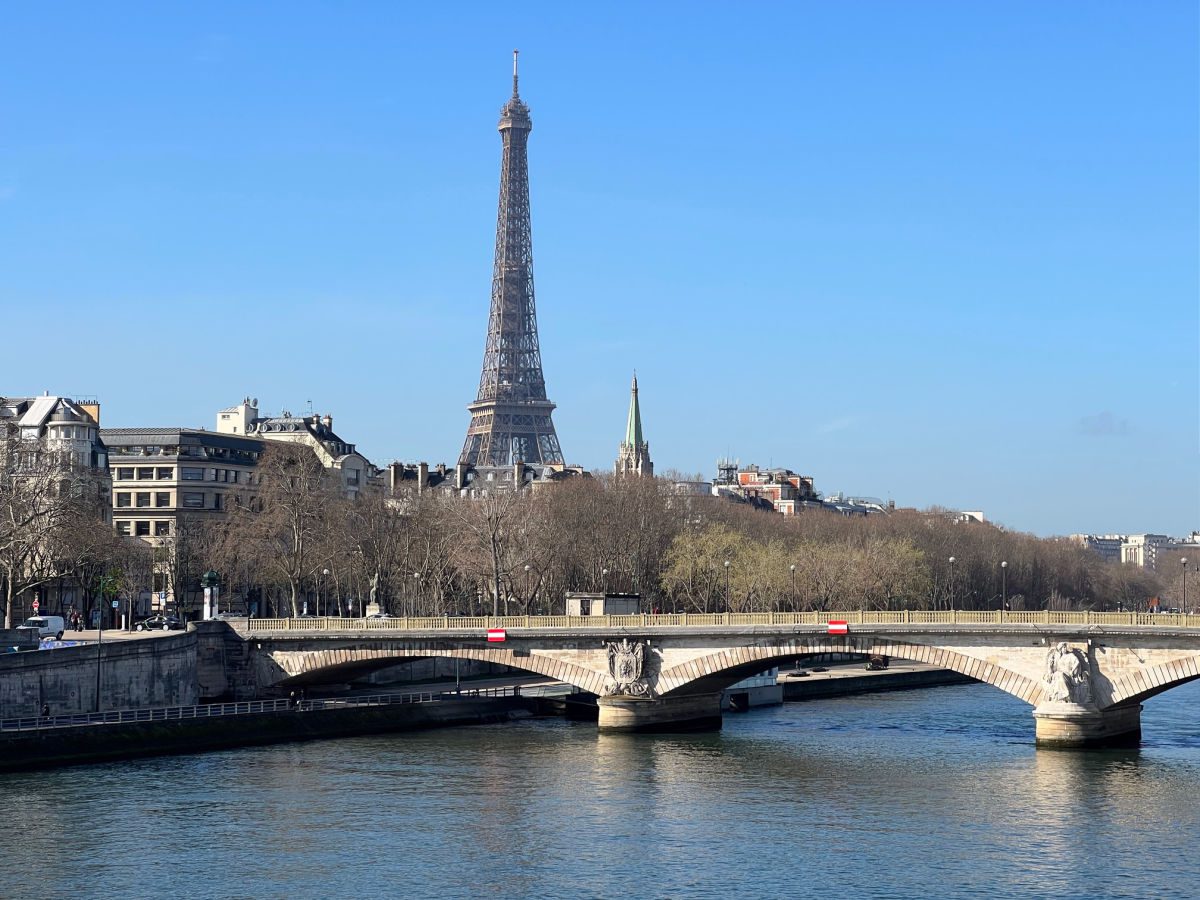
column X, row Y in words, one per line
column 298, row 666
column 1142, row 684
column 721, row 668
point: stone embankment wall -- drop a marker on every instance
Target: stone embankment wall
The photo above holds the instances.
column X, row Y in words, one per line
column 158, row 671
column 61, row 746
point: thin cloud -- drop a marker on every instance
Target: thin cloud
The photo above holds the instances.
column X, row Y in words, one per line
column 836, row 425
column 1103, row 424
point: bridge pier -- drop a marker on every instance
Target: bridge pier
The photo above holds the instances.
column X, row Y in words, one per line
column 1067, row 725
column 698, row 712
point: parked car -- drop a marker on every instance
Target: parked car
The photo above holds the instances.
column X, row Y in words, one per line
column 46, row 626
column 380, row 615
column 159, row 622
column 877, row 662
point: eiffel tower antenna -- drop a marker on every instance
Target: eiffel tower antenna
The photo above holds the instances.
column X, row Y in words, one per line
column 510, row 418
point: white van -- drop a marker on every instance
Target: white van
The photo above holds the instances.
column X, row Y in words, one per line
column 47, row 626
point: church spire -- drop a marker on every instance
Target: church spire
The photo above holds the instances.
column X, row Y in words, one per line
column 634, row 455
column 633, row 428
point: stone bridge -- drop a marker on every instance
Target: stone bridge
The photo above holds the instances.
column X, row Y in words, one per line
column 1084, row 674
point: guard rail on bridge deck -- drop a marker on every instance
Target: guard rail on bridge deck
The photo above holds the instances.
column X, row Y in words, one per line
column 251, row 707
column 853, row 617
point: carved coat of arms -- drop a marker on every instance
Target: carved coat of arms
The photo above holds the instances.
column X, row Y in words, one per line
column 626, row 663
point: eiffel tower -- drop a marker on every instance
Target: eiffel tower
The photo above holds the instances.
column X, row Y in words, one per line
column 510, row 418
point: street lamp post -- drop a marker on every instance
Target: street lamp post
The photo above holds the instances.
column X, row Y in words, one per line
column 1183, row 562
column 604, row 581
column 952, row 582
column 792, row 569
column 727, row 585
column 417, row 598
column 528, row 600
column 325, row 586
column 1003, row 584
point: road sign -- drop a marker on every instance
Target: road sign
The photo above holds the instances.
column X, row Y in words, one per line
column 497, row 634
column 837, row 626
column 116, row 604
column 36, row 606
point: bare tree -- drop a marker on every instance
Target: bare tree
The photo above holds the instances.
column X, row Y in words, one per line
column 282, row 527
column 42, row 493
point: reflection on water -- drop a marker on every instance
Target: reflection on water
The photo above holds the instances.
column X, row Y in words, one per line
column 916, row 794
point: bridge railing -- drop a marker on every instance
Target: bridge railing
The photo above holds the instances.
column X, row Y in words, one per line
column 246, row 707
column 644, row 620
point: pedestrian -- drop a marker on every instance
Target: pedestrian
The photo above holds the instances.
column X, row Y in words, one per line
column 45, row 710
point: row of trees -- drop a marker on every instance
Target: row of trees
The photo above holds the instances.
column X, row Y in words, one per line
column 300, row 541
column 299, row 544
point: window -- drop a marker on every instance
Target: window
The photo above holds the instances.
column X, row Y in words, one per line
column 123, row 498
column 162, row 529
column 162, row 498
column 124, row 473
column 143, row 498
column 123, row 528
column 145, row 474
column 193, row 501
column 142, row 529
column 217, row 501
column 165, row 474
column 188, row 473
column 233, row 476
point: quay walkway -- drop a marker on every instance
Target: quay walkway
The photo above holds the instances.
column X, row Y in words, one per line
column 249, row 707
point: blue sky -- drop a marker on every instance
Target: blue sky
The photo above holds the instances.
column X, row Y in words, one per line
column 944, row 253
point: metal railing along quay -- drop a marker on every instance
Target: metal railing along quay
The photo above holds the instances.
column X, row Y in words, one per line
column 246, row 707
column 645, row 620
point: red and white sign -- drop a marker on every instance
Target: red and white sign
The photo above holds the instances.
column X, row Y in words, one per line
column 36, row 606
column 837, row 626
column 497, row 634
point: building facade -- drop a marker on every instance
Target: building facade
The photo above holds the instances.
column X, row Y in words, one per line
column 167, row 485
column 783, row 489
column 66, row 438
column 313, row 431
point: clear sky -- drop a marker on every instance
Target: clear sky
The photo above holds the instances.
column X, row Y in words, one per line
column 944, row 253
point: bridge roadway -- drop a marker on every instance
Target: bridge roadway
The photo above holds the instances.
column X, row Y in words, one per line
column 1084, row 674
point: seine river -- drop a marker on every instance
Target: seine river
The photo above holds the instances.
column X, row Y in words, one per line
column 923, row 794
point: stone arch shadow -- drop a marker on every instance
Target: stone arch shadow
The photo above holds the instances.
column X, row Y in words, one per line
column 722, row 668
column 302, row 667
column 1143, row 684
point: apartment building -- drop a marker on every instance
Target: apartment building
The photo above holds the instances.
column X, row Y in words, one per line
column 162, row 474
column 313, row 431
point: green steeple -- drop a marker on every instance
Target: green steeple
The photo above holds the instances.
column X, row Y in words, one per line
column 633, row 430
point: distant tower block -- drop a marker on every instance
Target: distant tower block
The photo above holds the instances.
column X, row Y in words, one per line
column 510, row 418
column 634, row 455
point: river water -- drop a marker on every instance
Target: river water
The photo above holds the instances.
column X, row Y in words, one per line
column 920, row 794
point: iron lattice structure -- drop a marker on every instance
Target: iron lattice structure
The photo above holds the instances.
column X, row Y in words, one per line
column 510, row 418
